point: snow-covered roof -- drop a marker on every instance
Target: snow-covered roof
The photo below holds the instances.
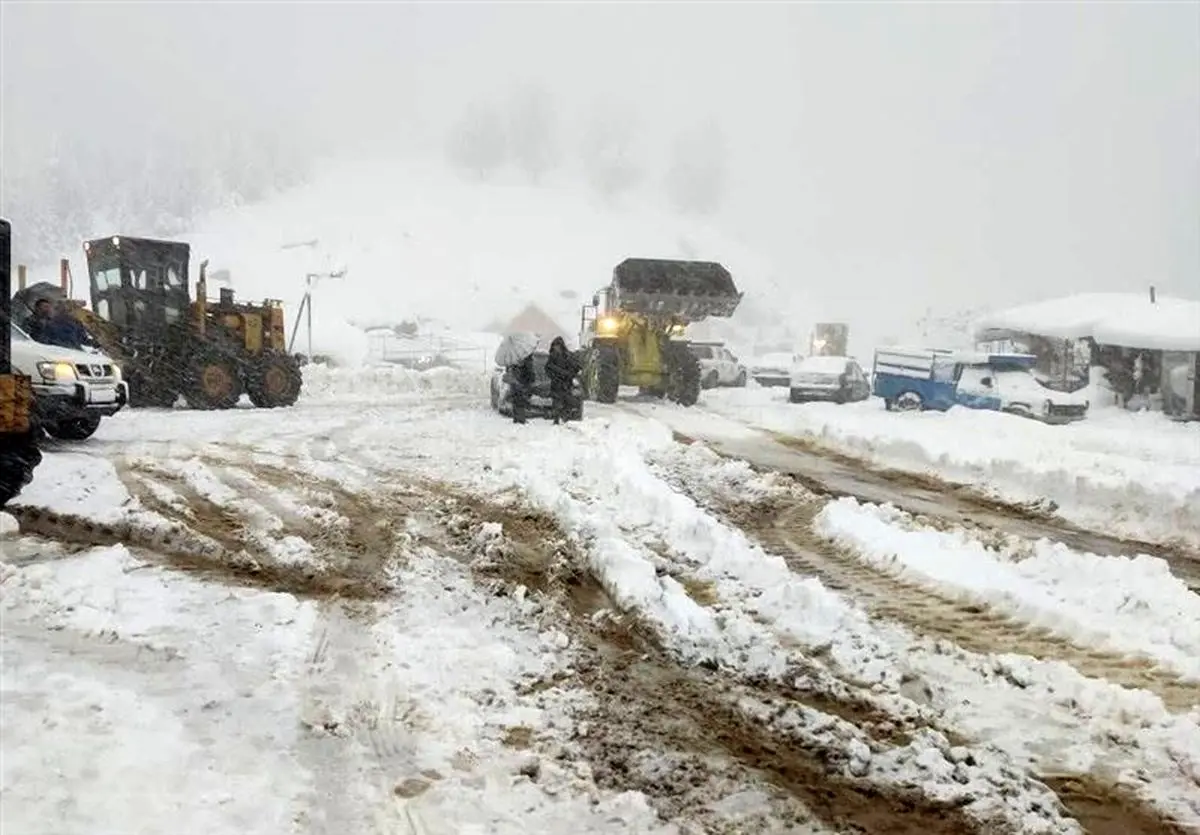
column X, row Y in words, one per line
column 1127, row 319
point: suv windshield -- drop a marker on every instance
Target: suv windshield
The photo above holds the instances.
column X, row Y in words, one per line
column 702, row 352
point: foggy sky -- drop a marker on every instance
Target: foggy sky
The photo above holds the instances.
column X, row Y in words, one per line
column 944, row 153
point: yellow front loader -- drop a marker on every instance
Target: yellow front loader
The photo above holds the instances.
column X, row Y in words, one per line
column 632, row 333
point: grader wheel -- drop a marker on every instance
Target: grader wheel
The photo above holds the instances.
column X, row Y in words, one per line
column 213, row 381
column 275, row 381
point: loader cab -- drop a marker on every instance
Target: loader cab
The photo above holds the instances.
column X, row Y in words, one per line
column 595, row 321
column 138, row 282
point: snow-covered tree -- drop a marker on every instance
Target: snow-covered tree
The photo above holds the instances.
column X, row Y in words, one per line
column 532, row 138
column 608, row 152
column 478, row 142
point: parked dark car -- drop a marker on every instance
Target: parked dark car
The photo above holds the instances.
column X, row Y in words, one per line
column 540, row 404
column 836, row 379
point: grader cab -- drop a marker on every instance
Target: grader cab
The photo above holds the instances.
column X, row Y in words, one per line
column 19, row 453
column 169, row 345
column 633, row 332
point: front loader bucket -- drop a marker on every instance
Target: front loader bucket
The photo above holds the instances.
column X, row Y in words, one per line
column 688, row 290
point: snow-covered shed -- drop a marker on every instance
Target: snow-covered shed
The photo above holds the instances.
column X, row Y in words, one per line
column 1148, row 345
column 1130, row 320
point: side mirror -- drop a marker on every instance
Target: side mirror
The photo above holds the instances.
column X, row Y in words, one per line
column 596, row 300
column 986, row 382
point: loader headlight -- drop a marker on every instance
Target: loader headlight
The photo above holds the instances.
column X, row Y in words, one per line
column 116, row 241
column 57, row 372
column 606, row 324
column 678, row 330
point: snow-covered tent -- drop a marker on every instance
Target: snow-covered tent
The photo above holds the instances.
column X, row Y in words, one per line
column 1129, row 320
column 535, row 320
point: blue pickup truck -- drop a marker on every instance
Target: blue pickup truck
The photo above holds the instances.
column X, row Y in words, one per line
column 911, row 379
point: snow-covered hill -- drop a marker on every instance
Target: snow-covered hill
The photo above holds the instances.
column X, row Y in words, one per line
column 420, row 241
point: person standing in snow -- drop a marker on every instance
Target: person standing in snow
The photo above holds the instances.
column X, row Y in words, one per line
column 562, row 367
column 523, row 379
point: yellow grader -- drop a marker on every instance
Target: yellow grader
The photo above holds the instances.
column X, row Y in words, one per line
column 167, row 344
column 19, row 454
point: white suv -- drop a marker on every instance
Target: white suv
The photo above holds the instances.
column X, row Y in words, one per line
column 718, row 365
column 72, row 389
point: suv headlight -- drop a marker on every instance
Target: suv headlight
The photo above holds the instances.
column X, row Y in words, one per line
column 57, row 372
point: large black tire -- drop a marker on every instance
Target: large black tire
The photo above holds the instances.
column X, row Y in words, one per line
column 682, row 371
column 711, row 380
column 212, row 380
column 148, row 390
column 76, row 429
column 19, row 456
column 908, row 401
column 604, row 374
column 274, row 381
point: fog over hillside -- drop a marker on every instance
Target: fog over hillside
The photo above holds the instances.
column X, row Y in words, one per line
column 878, row 161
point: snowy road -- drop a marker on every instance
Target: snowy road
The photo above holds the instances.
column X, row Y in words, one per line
column 825, row 471
column 412, row 616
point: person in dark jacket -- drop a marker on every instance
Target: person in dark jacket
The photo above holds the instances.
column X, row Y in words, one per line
column 523, row 379
column 42, row 313
column 57, row 327
column 562, row 367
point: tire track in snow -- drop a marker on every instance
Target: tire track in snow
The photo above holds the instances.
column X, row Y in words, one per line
column 691, row 738
column 785, row 530
column 355, row 738
column 217, row 533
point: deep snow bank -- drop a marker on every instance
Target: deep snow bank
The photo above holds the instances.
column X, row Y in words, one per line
column 1131, row 605
column 380, row 383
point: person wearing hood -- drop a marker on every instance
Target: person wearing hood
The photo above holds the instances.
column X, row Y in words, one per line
column 523, row 379
column 562, row 367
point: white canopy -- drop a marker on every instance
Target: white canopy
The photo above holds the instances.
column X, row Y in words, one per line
column 1130, row 320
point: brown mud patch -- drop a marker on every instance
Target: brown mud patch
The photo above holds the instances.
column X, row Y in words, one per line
column 1106, row 809
column 174, row 546
column 356, row 540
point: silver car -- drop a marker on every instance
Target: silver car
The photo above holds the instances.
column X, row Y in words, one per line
column 540, row 403
column 837, row 379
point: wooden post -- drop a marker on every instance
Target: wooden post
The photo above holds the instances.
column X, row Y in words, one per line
column 64, row 275
column 1153, row 300
column 20, row 276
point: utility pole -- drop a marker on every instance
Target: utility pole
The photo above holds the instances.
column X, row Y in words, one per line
column 310, row 281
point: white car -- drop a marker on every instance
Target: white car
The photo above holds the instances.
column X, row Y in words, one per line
column 72, row 389
column 718, row 365
column 1019, row 392
column 774, row 369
